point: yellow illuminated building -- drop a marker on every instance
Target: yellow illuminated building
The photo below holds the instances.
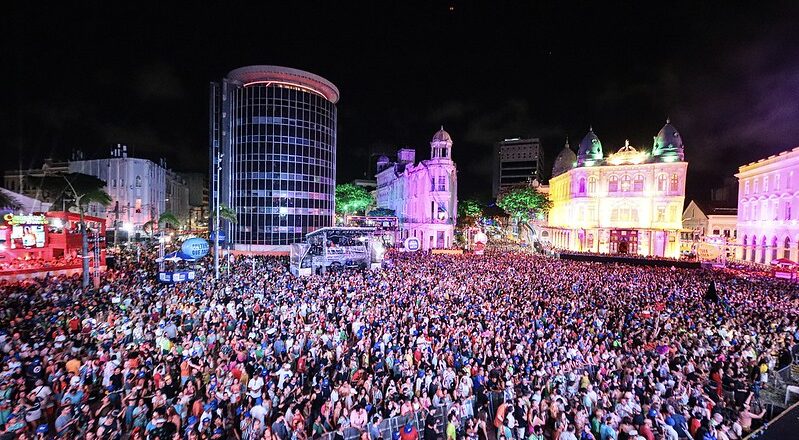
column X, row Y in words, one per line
column 629, row 202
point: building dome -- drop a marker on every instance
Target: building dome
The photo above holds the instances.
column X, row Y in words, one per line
column 590, row 148
column 565, row 160
column 668, row 142
column 442, row 136
column 382, row 159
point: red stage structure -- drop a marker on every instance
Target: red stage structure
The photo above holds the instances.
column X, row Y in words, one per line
column 48, row 242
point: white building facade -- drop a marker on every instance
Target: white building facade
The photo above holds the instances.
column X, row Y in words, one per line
column 424, row 196
column 629, row 202
column 768, row 204
column 140, row 190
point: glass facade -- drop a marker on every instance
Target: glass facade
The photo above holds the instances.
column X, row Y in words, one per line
column 278, row 142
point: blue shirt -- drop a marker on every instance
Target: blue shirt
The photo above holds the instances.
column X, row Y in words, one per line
column 606, row 432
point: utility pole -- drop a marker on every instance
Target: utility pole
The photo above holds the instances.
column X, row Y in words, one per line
column 219, row 157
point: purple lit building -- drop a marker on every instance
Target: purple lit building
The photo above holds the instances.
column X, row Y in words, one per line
column 424, row 196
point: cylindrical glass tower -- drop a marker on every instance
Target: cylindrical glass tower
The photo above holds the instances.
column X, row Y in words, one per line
column 275, row 128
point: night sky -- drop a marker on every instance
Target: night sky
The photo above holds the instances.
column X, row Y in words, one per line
column 90, row 76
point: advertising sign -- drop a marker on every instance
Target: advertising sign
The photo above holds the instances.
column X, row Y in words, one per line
column 195, row 247
column 412, row 244
column 707, row 251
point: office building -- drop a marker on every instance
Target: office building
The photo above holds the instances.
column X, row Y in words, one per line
column 767, row 201
column 629, row 202
column 423, row 196
column 274, row 129
column 516, row 161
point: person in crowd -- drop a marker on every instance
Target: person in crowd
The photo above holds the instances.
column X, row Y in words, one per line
column 502, row 345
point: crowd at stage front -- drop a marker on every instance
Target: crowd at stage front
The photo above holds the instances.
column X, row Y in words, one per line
column 500, row 346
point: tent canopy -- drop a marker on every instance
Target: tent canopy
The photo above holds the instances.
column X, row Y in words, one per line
column 175, row 257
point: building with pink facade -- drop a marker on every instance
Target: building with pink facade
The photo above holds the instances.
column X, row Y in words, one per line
column 424, row 195
column 768, row 198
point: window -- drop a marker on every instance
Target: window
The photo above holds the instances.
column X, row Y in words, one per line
column 581, row 189
column 746, row 189
column 138, row 181
column 592, row 185
column 716, row 232
column 613, row 184
column 660, row 216
column 626, row 183
column 638, row 184
column 757, row 186
column 765, row 184
column 743, row 257
column 442, row 183
column 777, row 182
column 113, row 183
column 787, row 210
column 662, row 182
column 432, row 184
column 786, row 249
column 774, row 248
column 674, row 183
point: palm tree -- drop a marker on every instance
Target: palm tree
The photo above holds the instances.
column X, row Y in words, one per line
column 226, row 213
column 76, row 190
column 168, row 219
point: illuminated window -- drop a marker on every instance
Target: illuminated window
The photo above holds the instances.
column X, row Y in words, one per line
column 743, row 257
column 613, row 184
column 442, row 183
column 638, row 184
column 581, row 189
column 786, row 249
column 765, row 184
column 138, row 181
column 626, row 183
column 746, row 189
column 662, row 182
column 674, row 183
column 592, row 185
column 777, row 182
column 661, row 214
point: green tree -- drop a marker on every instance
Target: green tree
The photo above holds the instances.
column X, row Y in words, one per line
column 351, row 198
column 382, row 212
column 226, row 213
column 76, row 190
column 523, row 202
column 469, row 211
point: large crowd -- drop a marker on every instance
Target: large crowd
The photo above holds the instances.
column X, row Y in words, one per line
column 501, row 346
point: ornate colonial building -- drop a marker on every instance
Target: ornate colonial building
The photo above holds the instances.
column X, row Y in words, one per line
column 424, row 196
column 629, row 202
column 767, row 199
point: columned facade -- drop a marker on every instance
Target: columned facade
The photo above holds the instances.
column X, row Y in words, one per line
column 768, row 204
column 423, row 195
column 627, row 203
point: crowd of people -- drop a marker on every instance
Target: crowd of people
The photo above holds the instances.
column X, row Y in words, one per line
column 504, row 346
column 39, row 264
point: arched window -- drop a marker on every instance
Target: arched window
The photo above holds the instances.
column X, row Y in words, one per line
column 613, row 184
column 774, row 248
column 138, row 181
column 786, row 249
column 592, row 185
column 662, row 182
column 638, row 183
column 673, row 183
column 763, row 250
column 743, row 248
column 626, row 183
column 581, row 188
